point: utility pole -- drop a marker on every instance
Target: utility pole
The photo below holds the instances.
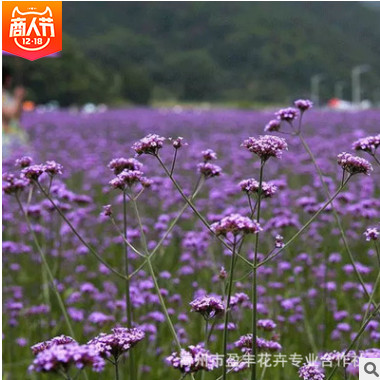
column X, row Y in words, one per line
column 355, row 78
column 314, row 83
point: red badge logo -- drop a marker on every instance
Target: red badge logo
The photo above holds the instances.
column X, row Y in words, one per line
column 32, row 29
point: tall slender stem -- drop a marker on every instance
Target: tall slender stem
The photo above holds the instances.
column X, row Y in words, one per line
column 254, row 280
column 48, row 271
column 227, row 309
column 336, row 215
column 132, row 373
column 116, row 364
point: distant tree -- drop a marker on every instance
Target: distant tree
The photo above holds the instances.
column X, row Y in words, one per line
column 136, row 85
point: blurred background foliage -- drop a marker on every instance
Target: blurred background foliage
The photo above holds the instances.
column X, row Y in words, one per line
column 138, row 52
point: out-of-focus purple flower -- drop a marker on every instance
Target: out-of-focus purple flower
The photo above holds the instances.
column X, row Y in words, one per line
column 266, row 324
column 23, row 162
column 119, row 341
column 52, row 168
column 266, row 146
column 303, row 104
column 58, row 340
column 273, row 126
column 149, row 144
column 194, row 359
column 311, row 371
column 354, row 164
column 371, row 233
column 209, row 155
column 107, row 210
column 245, row 344
column 126, row 178
column 59, row 358
column 250, row 185
column 13, row 185
column 207, row 306
column 279, row 243
column 236, row 224
column 117, row 165
column 287, row 114
column 177, row 142
column 209, row 170
column 367, row 144
column 33, row 172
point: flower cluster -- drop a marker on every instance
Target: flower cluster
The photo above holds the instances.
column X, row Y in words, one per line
column 33, row 172
column 311, row 371
column 303, row 104
column 250, row 185
column 23, row 162
column 354, row 164
column 207, row 306
column 119, row 341
column 194, row 359
column 371, row 233
column 266, row 324
column 178, row 142
column 245, row 344
column 209, row 170
column 236, row 224
column 60, row 357
column 367, row 144
column 149, row 144
column 266, row 146
column 273, row 126
column 13, row 185
column 287, row 114
column 209, row 155
column 126, row 178
column 117, row 165
column 56, row 341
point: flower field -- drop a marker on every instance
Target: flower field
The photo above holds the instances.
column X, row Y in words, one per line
column 196, row 244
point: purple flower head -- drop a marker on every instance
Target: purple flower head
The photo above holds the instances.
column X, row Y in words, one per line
column 117, row 165
column 119, row 341
column 354, row 164
column 266, row 324
column 250, row 185
column 209, row 170
column 126, row 178
column 287, row 114
column 149, row 144
column 367, row 144
column 209, row 155
column 371, row 233
column 303, row 104
column 207, row 306
column 236, row 224
column 245, row 344
column 53, row 168
column 23, row 162
column 311, row 371
column 266, row 146
column 58, row 340
column 273, row 126
column 33, row 172
column 107, row 210
column 194, row 359
column 59, row 358
column 13, row 185
column 178, row 142
column 279, row 243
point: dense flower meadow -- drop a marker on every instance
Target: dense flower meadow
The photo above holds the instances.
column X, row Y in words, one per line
column 192, row 244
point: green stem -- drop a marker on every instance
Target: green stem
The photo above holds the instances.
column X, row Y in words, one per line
column 197, row 213
column 305, row 226
column 92, row 250
column 47, row 268
column 127, row 288
column 117, row 369
column 227, row 309
column 153, row 275
column 254, row 280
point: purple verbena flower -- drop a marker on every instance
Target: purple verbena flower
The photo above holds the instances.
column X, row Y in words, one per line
column 354, row 164
column 117, row 165
column 209, row 155
column 236, row 224
column 266, row 146
column 24, row 162
column 149, row 144
column 367, row 144
column 250, row 185
column 311, row 371
column 207, row 306
column 287, row 114
column 209, row 170
column 303, row 104
column 273, row 126
column 371, row 233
